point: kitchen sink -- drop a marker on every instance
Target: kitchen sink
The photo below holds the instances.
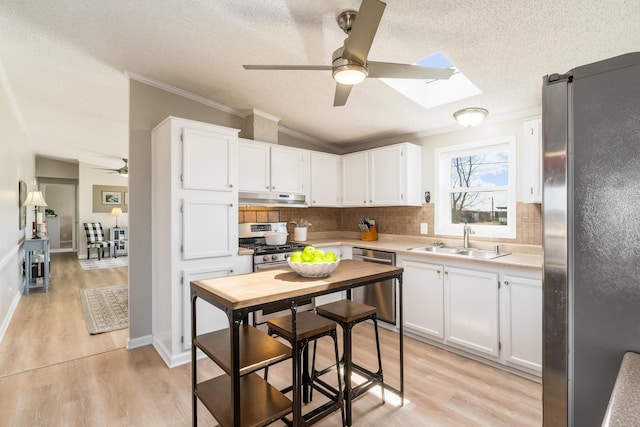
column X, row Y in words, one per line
column 465, row 252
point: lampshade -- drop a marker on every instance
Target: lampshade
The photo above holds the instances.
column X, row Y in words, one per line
column 470, row 117
column 350, row 74
column 116, row 212
column 35, row 198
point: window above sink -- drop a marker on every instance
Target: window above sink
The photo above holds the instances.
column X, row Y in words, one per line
column 476, row 185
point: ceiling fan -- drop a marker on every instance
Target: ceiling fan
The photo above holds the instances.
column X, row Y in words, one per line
column 123, row 171
column 350, row 65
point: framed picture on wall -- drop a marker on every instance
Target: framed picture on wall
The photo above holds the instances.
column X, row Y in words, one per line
column 111, row 198
column 22, row 212
column 126, row 198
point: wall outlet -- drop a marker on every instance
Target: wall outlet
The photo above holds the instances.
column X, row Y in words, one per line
column 424, row 228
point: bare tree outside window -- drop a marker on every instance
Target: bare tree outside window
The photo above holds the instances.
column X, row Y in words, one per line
column 478, row 189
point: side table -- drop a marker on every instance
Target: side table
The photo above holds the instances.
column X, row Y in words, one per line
column 31, row 248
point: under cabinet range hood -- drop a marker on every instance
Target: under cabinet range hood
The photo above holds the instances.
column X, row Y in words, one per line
column 272, row 199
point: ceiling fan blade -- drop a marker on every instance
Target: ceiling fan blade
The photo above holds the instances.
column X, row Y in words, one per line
column 390, row 70
column 288, row 67
column 342, row 93
column 357, row 45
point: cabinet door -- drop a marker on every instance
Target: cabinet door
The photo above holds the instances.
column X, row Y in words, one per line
column 523, row 340
column 290, row 168
column 208, row 159
column 386, row 176
column 210, row 318
column 325, row 182
column 423, row 298
column 253, row 166
column 471, row 310
column 355, row 179
column 532, row 147
column 206, row 228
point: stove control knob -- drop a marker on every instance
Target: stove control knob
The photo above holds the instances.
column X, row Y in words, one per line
column 286, row 256
column 274, row 257
column 265, row 258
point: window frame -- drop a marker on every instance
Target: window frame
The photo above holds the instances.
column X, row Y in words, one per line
column 442, row 168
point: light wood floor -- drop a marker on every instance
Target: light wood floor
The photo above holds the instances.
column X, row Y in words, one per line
column 53, row 373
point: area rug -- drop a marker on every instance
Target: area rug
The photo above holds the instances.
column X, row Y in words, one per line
column 92, row 264
column 105, row 309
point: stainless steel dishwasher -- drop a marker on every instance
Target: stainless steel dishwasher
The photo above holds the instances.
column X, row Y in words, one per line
column 381, row 295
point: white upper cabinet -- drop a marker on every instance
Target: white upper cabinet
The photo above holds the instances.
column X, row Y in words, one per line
column 254, row 166
column 532, row 170
column 355, row 179
column 202, row 170
column 271, row 168
column 325, row 179
column 290, row 168
column 387, row 176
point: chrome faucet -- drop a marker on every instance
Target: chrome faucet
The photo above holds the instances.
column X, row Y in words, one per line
column 466, row 231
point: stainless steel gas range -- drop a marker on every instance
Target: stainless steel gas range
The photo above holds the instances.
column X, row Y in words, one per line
column 265, row 257
column 251, row 236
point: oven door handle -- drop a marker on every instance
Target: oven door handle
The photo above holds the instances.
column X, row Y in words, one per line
column 263, row 267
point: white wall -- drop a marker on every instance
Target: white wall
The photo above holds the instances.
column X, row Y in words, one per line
column 482, row 132
column 88, row 177
column 17, row 162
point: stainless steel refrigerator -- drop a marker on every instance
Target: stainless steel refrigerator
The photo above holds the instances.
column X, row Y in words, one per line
column 591, row 235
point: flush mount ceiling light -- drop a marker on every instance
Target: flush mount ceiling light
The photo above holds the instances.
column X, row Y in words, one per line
column 470, row 117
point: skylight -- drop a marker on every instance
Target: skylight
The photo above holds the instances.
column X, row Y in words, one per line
column 433, row 93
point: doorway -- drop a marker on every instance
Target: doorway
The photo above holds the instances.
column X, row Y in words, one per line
column 61, row 215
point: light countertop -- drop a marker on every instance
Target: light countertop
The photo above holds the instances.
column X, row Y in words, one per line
column 624, row 404
column 521, row 256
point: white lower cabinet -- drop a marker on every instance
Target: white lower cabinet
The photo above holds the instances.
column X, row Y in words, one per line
column 423, row 298
column 491, row 312
column 522, row 326
column 471, row 310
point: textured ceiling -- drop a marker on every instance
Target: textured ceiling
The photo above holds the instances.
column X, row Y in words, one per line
column 64, row 62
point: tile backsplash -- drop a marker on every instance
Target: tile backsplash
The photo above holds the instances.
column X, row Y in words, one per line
column 400, row 220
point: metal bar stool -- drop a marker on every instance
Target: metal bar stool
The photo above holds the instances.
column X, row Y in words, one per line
column 347, row 314
column 309, row 327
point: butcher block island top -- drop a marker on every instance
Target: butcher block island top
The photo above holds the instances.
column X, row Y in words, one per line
column 240, row 397
column 254, row 289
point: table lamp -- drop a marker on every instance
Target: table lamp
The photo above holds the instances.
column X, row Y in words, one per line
column 35, row 199
column 116, row 212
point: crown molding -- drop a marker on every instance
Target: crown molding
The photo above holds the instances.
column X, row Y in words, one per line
column 311, row 140
column 261, row 113
column 186, row 94
column 236, row 112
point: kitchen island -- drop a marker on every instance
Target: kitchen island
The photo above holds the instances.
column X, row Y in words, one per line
column 230, row 396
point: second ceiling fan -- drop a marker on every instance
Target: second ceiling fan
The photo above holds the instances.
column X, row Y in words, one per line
column 349, row 63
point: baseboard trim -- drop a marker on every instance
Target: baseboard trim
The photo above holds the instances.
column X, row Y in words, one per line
column 139, row 342
column 10, row 313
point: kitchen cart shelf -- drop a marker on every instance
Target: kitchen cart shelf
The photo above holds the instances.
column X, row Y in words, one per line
column 261, row 403
column 257, row 349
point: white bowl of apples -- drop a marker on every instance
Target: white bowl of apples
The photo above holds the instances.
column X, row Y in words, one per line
column 313, row 262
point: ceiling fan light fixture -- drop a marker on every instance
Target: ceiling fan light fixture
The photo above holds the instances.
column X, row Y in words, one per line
column 350, row 74
column 470, row 117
